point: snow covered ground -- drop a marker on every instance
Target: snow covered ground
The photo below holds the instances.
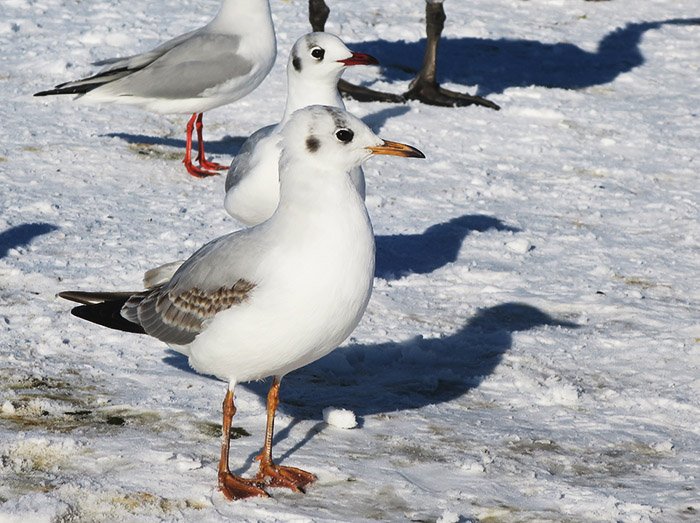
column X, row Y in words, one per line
column 532, row 348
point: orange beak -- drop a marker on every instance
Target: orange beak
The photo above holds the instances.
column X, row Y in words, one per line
column 396, row 149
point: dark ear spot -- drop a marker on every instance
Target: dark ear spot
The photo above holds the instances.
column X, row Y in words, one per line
column 296, row 62
column 312, row 144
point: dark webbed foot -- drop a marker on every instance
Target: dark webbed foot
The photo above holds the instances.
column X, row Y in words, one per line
column 433, row 94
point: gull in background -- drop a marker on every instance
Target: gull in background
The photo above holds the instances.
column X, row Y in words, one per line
column 211, row 66
column 315, row 64
column 267, row 300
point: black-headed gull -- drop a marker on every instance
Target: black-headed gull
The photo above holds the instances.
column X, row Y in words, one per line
column 211, row 66
column 424, row 87
column 315, row 64
column 269, row 299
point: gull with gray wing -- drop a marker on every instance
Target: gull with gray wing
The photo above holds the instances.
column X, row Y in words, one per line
column 267, row 300
column 211, row 66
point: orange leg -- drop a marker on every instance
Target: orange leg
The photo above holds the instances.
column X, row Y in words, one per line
column 276, row 475
column 200, row 157
column 232, row 486
column 194, row 171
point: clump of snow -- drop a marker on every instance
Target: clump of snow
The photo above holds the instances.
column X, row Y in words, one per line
column 519, row 246
column 339, row 418
column 448, row 516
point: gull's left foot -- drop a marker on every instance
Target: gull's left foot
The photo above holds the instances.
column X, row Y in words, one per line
column 287, row 477
column 436, row 95
column 212, row 166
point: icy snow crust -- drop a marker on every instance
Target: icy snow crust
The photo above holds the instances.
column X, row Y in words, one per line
column 531, row 350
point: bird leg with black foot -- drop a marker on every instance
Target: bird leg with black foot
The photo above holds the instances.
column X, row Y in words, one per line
column 234, row 487
column 425, row 87
column 271, row 474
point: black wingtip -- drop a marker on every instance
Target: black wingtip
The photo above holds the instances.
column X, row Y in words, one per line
column 102, row 308
column 107, row 314
column 80, row 89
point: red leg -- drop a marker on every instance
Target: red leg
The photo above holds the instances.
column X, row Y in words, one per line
column 194, row 171
column 276, row 475
column 200, row 157
column 234, row 487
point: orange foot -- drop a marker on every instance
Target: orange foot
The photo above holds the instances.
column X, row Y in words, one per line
column 198, row 172
column 235, row 488
column 212, row 166
column 288, row 477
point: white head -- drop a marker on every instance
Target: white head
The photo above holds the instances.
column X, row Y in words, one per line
column 329, row 142
column 316, row 62
column 323, row 57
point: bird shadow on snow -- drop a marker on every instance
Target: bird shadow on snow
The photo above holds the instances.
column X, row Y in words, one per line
column 228, row 145
column 22, row 235
column 497, row 64
column 401, row 254
column 410, row 374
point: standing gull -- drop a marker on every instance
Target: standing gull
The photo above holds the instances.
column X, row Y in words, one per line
column 315, row 64
column 269, row 299
column 211, row 66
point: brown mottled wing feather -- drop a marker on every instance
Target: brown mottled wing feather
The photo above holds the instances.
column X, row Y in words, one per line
column 178, row 316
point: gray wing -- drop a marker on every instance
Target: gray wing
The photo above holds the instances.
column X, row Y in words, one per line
column 117, row 68
column 241, row 163
column 139, row 61
column 206, row 284
column 187, row 70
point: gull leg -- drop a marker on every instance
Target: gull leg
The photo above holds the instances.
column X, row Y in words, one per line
column 200, row 156
column 192, row 169
column 318, row 14
column 276, row 475
column 425, row 87
column 234, row 487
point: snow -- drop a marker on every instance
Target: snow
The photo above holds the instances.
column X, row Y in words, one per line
column 532, row 347
column 339, row 418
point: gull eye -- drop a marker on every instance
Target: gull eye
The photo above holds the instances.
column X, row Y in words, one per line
column 318, row 53
column 344, row 135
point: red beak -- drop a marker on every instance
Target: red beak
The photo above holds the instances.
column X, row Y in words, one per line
column 360, row 59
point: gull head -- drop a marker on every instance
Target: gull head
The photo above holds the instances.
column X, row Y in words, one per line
column 321, row 56
column 330, row 140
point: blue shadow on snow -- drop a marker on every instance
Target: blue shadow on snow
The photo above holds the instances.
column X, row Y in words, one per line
column 22, row 235
column 497, row 64
column 229, row 145
column 401, row 254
